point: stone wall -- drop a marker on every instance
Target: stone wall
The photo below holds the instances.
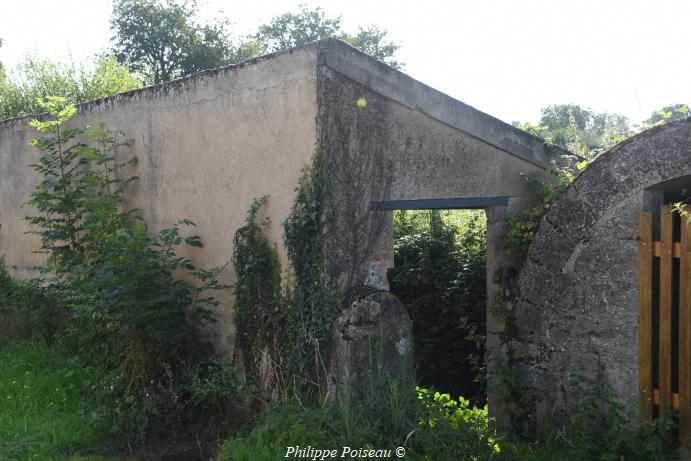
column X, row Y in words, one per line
column 579, row 293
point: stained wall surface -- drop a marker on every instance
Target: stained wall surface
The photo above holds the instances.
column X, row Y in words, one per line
column 410, row 142
column 579, row 304
column 207, row 146
column 211, row 143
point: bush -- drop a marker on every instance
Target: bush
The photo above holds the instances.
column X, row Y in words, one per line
column 439, row 275
column 26, row 311
column 132, row 322
column 394, row 413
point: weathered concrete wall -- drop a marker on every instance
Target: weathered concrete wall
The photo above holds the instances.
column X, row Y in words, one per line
column 207, row 145
column 579, row 288
column 410, row 142
column 210, row 143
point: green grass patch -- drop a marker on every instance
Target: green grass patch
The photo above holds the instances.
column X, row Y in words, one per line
column 45, row 410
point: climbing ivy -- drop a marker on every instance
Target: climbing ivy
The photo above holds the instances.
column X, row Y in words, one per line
column 292, row 324
column 258, row 297
column 520, row 230
column 313, row 298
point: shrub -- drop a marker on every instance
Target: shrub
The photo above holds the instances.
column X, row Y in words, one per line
column 134, row 302
column 439, row 275
column 26, row 311
column 394, row 413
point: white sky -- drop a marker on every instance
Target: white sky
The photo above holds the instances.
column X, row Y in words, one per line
column 507, row 58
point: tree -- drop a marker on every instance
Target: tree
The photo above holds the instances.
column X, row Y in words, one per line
column 293, row 29
column 2, row 68
column 372, row 42
column 37, row 79
column 673, row 112
column 579, row 130
column 164, row 40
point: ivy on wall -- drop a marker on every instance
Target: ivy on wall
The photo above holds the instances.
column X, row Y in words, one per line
column 288, row 323
column 258, row 297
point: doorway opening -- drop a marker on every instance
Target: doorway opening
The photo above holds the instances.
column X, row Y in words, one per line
column 439, row 274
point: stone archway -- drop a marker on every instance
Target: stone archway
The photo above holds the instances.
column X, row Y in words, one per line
column 579, row 288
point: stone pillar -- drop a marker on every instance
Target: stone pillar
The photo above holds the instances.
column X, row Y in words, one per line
column 497, row 257
column 373, row 334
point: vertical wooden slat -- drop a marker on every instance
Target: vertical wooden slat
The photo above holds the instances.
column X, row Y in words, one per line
column 685, row 332
column 646, row 313
column 665, row 368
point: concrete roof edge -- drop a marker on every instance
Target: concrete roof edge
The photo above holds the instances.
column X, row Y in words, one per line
column 165, row 87
column 360, row 67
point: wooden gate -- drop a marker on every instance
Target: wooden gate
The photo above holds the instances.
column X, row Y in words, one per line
column 665, row 319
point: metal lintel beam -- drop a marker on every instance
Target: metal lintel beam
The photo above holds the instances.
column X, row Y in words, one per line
column 440, row 203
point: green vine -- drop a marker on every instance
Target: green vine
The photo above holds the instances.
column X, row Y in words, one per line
column 520, row 230
column 293, row 324
column 313, row 298
column 258, row 297
column 682, row 207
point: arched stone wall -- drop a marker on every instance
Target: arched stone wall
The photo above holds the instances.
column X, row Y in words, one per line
column 579, row 300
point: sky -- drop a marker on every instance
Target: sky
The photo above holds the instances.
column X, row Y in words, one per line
column 509, row 58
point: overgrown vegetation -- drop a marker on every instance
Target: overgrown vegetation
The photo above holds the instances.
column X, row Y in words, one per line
column 36, row 79
column 394, row 413
column 130, row 324
column 129, row 366
column 595, row 424
column 520, row 230
column 439, row 275
column 258, row 296
column 47, row 408
column 289, row 326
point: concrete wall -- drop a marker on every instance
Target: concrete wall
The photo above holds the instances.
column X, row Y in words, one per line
column 410, row 142
column 207, row 145
column 579, row 288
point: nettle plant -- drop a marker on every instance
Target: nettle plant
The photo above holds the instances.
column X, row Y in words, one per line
column 131, row 318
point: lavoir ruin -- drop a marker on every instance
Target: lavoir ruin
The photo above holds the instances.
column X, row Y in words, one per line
column 211, row 143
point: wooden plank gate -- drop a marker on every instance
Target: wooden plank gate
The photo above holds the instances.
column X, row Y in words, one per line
column 665, row 319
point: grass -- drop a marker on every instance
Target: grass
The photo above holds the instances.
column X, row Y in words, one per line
column 45, row 412
column 48, row 412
